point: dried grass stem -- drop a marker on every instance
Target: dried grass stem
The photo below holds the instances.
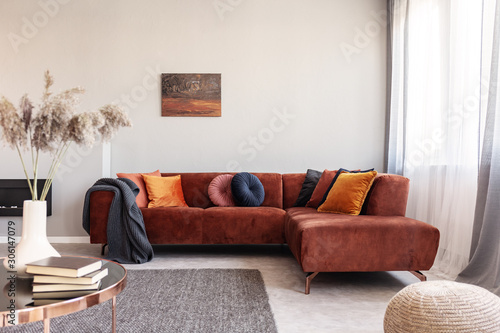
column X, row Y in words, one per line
column 53, row 128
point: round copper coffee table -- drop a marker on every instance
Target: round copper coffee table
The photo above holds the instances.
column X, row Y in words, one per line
column 25, row 312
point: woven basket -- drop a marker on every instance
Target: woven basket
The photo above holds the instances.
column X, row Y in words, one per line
column 443, row 306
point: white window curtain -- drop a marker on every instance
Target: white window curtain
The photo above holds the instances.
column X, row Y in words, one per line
column 484, row 266
column 437, row 93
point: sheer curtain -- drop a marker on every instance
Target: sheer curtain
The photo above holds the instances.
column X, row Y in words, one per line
column 434, row 107
column 484, row 267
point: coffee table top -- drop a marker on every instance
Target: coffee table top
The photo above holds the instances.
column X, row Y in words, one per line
column 26, row 312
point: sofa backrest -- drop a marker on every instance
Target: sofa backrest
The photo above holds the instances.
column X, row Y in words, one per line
column 388, row 195
column 292, row 183
column 195, row 187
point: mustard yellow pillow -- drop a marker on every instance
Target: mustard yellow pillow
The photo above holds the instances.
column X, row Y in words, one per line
column 164, row 191
column 348, row 193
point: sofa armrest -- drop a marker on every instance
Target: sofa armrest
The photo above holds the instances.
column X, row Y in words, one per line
column 100, row 202
column 388, row 196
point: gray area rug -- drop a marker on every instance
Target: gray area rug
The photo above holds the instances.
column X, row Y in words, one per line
column 184, row 300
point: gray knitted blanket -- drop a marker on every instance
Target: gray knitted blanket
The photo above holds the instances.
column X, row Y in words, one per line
column 126, row 233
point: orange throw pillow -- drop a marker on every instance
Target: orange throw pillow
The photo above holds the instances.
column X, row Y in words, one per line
column 321, row 188
column 142, row 198
column 348, row 193
column 164, row 191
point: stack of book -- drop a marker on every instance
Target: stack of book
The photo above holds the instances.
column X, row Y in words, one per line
column 59, row 278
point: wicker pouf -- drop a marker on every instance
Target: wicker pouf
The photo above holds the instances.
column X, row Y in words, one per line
column 443, row 306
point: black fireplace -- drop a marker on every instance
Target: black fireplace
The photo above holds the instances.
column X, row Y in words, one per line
column 13, row 192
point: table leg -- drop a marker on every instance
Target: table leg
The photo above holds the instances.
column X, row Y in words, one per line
column 46, row 325
column 113, row 305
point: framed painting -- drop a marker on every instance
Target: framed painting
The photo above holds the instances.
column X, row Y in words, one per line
column 191, row 95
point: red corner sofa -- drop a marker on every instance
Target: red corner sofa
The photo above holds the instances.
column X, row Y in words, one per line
column 381, row 238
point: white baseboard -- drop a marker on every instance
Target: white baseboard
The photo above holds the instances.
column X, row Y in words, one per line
column 56, row 239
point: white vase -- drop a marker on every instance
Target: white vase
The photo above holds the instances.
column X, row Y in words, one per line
column 34, row 244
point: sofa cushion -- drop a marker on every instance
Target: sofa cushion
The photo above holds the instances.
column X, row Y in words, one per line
column 142, row 198
column 243, row 225
column 164, row 191
column 348, row 193
column 247, row 190
column 388, row 196
column 173, row 225
column 308, row 186
column 219, row 191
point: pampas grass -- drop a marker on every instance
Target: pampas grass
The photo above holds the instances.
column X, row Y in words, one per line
column 54, row 127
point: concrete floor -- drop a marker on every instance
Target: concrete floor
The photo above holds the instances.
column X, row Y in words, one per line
column 338, row 302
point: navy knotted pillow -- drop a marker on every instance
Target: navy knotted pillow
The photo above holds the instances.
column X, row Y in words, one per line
column 247, row 190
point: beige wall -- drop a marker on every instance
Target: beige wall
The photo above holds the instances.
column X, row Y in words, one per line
column 303, row 84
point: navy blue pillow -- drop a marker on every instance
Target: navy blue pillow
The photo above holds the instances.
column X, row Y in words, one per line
column 247, row 190
column 308, row 186
column 335, row 179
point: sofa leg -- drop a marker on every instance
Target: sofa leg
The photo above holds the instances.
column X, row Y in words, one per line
column 309, row 277
column 102, row 249
column 419, row 275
